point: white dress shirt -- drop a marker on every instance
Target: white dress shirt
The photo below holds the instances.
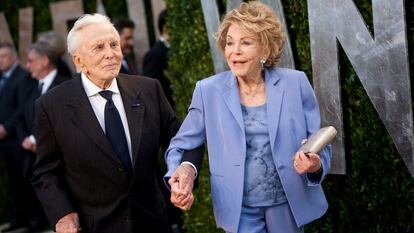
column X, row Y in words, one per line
column 45, row 82
column 7, row 73
column 48, row 80
column 98, row 104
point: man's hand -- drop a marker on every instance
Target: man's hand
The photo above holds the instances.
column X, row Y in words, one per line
column 306, row 163
column 68, row 224
column 3, row 132
column 181, row 183
column 27, row 144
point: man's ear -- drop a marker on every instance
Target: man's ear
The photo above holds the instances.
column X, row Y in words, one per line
column 77, row 61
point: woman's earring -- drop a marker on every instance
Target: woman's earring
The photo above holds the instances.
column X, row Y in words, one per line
column 262, row 62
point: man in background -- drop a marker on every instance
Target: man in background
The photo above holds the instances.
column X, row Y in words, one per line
column 125, row 28
column 42, row 62
column 58, row 43
column 13, row 81
column 155, row 61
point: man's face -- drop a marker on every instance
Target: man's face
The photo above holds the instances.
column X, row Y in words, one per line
column 127, row 41
column 99, row 54
column 36, row 64
column 7, row 58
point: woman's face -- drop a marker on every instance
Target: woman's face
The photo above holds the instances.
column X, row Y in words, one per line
column 243, row 53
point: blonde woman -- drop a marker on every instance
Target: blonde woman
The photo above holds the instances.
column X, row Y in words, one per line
column 254, row 118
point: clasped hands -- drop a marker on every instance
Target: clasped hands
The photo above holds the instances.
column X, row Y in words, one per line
column 306, row 163
column 182, row 182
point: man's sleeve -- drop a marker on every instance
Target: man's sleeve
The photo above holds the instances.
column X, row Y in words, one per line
column 190, row 136
column 47, row 178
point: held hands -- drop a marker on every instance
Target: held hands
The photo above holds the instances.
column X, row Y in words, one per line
column 309, row 163
column 68, row 224
column 181, row 183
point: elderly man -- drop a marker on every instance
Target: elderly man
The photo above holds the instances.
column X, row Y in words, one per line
column 98, row 137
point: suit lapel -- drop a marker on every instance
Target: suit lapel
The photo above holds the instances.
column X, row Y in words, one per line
column 274, row 99
column 232, row 99
column 134, row 110
column 84, row 117
column 56, row 81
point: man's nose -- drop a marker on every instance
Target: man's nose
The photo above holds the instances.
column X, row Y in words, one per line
column 109, row 52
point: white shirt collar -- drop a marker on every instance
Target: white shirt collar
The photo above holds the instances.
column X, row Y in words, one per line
column 91, row 89
column 8, row 72
column 166, row 43
column 48, row 79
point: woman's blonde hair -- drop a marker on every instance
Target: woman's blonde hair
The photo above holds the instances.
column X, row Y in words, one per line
column 259, row 20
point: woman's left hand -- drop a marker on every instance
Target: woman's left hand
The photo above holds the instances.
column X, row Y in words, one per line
column 309, row 163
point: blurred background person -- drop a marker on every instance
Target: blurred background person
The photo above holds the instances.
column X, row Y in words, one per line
column 13, row 81
column 154, row 65
column 58, row 44
column 125, row 28
column 155, row 61
column 259, row 180
column 42, row 60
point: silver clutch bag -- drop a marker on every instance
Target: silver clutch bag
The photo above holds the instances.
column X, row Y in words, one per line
column 317, row 141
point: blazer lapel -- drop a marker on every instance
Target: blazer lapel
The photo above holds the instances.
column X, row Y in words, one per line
column 84, row 117
column 232, row 99
column 134, row 110
column 274, row 99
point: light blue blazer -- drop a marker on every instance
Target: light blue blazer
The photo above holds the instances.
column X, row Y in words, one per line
column 215, row 114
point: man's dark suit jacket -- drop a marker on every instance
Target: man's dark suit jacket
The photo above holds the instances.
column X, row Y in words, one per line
column 78, row 171
column 26, row 123
column 154, row 64
column 12, row 97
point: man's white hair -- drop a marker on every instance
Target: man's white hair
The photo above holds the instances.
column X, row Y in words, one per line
column 85, row 20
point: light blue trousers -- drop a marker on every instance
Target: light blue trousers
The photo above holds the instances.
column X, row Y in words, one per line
column 273, row 219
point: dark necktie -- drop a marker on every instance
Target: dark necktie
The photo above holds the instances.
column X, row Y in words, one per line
column 115, row 132
column 39, row 89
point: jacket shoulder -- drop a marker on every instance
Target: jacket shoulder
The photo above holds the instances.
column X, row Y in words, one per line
column 286, row 72
column 61, row 92
column 136, row 79
column 217, row 80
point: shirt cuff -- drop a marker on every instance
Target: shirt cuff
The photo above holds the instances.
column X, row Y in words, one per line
column 32, row 139
column 192, row 165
